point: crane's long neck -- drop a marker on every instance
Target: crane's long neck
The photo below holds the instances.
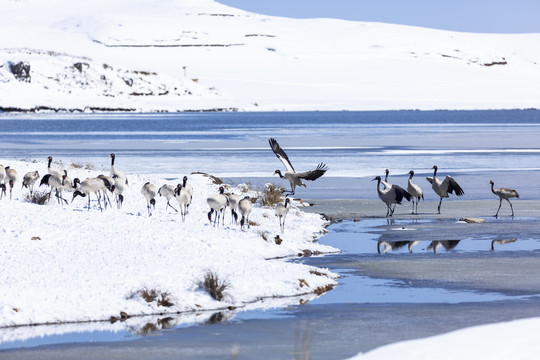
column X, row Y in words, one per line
column 410, row 177
column 379, row 186
column 112, row 160
column 49, row 164
column 492, row 189
column 435, row 172
column 184, row 182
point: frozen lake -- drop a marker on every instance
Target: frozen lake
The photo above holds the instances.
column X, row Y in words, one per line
column 371, row 307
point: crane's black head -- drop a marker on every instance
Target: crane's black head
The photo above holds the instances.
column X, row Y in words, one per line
column 434, row 167
column 378, row 178
column 411, row 173
column 221, row 190
column 278, row 172
column 112, row 155
column 153, row 202
column 76, row 181
column 287, row 200
column 49, row 158
column 491, row 182
column 185, row 178
column 387, row 171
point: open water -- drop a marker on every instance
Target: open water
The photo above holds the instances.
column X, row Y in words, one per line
column 472, row 146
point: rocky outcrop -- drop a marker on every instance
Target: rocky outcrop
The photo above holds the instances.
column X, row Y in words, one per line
column 20, row 70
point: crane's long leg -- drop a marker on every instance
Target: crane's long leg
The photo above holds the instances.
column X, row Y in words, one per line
column 439, row 208
column 170, row 206
column 500, row 203
column 511, row 207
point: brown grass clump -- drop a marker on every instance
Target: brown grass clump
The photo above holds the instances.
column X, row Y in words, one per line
column 322, row 289
column 271, row 195
column 151, row 295
column 214, row 286
column 37, row 197
column 253, row 223
column 264, row 235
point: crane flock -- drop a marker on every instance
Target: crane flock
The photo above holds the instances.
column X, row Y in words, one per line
column 58, row 181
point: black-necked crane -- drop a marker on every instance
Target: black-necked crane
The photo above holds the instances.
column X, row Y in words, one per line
column 29, row 179
column 233, row 205
column 183, row 198
column 218, row 203
column 115, row 171
column 168, row 192
column 55, row 182
column 294, row 178
column 88, row 186
column 445, row 187
column 118, row 190
column 189, row 189
column 244, row 208
column 282, row 209
column 149, row 192
column 53, row 170
column 11, row 179
column 2, row 185
column 109, row 183
column 415, row 191
column 505, row 194
column 393, row 194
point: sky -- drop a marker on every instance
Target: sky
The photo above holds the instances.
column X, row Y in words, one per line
column 486, row 16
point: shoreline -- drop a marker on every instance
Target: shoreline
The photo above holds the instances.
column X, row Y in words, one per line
column 351, row 209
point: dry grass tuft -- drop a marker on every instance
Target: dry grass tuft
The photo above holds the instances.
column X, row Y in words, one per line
column 322, row 289
column 253, row 223
column 264, row 235
column 37, row 197
column 214, row 286
column 271, row 195
column 303, row 283
column 151, row 295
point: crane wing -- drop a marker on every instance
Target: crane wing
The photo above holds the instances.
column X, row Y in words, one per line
column 430, row 179
column 281, row 155
column 453, row 186
column 401, row 193
column 314, row 174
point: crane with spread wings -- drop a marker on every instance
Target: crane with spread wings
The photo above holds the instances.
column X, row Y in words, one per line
column 295, row 179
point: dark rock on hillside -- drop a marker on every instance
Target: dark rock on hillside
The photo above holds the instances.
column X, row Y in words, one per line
column 20, row 70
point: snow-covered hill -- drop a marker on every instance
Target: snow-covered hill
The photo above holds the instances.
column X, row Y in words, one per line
column 200, row 55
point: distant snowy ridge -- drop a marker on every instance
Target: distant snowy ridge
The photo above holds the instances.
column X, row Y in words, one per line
column 200, row 55
column 87, row 85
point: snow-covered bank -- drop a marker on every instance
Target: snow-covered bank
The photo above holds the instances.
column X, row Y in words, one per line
column 200, row 55
column 511, row 340
column 62, row 263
